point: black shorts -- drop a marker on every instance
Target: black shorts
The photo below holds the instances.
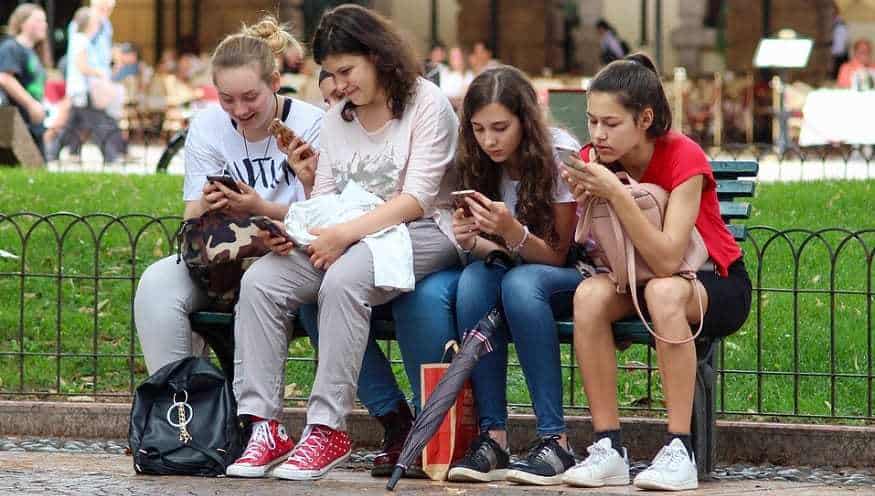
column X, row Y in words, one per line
column 729, row 300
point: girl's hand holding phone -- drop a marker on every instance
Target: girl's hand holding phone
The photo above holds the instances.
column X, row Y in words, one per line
column 302, row 157
column 274, row 235
column 493, row 217
column 465, row 229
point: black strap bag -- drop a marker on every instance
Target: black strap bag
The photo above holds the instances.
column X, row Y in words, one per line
column 184, row 421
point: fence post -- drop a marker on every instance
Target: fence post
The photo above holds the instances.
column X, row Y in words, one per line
column 679, row 83
column 718, row 109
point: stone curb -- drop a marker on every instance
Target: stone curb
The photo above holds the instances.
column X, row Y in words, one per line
column 749, row 442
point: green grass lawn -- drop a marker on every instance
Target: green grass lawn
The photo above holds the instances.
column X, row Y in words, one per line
column 78, row 327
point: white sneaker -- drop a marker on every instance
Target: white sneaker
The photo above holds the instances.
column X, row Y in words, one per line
column 603, row 467
column 672, row 470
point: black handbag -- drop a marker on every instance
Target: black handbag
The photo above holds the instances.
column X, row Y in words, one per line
column 184, row 421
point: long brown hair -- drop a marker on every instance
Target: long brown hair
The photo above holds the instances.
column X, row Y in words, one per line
column 509, row 87
column 355, row 30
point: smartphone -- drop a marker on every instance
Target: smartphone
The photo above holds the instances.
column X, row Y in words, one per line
column 266, row 224
column 565, row 154
column 227, row 181
column 459, row 200
column 285, row 136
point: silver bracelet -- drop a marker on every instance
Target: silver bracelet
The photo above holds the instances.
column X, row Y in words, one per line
column 519, row 246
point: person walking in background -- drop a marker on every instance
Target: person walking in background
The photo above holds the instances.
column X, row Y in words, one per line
column 630, row 125
column 89, row 87
column 507, row 155
column 22, row 74
column 612, row 46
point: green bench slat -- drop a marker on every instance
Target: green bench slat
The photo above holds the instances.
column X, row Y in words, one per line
column 727, row 189
column 734, row 210
column 738, row 231
column 733, row 169
column 624, row 330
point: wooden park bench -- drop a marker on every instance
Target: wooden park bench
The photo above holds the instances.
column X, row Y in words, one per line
column 217, row 328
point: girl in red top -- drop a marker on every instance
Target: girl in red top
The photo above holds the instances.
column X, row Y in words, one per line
column 630, row 122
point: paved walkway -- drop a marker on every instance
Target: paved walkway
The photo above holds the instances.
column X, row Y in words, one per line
column 90, row 474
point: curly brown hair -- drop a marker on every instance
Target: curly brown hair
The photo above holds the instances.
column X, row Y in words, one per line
column 352, row 29
column 509, row 87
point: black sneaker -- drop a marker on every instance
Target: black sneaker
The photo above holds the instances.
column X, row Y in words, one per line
column 544, row 465
column 485, row 461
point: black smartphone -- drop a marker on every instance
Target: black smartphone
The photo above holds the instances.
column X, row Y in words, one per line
column 226, row 181
column 266, row 224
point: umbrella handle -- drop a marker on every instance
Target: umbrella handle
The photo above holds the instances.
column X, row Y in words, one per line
column 396, row 476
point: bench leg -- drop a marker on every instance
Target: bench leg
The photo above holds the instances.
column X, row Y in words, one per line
column 221, row 341
column 703, row 421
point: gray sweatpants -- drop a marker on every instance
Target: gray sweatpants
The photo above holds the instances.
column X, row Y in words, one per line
column 276, row 285
column 165, row 296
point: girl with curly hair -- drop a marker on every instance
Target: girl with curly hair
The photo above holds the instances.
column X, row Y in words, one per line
column 393, row 135
column 509, row 156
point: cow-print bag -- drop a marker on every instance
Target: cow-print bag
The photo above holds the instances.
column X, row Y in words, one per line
column 217, row 248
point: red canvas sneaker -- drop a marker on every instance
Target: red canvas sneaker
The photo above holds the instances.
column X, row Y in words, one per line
column 321, row 448
column 268, row 446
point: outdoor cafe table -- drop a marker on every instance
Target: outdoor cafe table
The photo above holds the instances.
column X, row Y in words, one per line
column 838, row 116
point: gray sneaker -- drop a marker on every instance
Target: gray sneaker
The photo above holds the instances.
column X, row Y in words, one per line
column 544, row 465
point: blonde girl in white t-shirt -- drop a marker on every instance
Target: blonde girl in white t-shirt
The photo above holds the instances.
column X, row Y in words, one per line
column 232, row 140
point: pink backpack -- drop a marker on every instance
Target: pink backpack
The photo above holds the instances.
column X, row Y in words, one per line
column 616, row 251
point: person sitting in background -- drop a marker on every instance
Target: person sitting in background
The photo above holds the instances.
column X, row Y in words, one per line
column 22, row 75
column 456, row 78
column 481, row 58
column 126, row 62
column 858, row 72
column 612, row 46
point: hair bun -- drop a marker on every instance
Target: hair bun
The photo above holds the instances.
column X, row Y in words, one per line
column 276, row 35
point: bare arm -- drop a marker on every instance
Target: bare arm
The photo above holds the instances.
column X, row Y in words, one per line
column 17, row 92
column 662, row 250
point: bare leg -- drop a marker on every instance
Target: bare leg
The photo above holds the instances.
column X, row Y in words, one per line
column 673, row 307
column 596, row 306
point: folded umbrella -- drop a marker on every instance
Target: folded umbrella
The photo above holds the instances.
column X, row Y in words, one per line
column 475, row 345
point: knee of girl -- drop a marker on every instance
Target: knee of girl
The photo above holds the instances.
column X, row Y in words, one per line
column 520, row 287
column 591, row 299
column 666, row 295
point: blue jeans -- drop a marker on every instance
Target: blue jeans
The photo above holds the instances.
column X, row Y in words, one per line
column 424, row 322
column 531, row 296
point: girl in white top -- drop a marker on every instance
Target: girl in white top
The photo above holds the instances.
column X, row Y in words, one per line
column 395, row 136
column 520, row 207
column 228, row 140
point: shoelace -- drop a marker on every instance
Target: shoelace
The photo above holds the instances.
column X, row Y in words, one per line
column 597, row 453
column 668, row 458
column 311, row 446
column 540, row 447
column 260, row 437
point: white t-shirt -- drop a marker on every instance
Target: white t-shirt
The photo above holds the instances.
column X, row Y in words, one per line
column 214, row 147
column 561, row 192
column 409, row 155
